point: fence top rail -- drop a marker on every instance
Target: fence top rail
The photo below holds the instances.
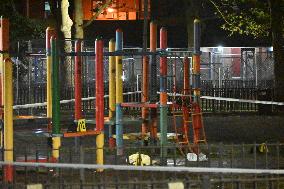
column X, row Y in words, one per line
column 149, row 168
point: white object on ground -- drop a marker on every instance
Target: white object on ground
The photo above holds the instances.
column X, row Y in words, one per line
column 139, row 159
column 193, row 157
column 176, row 185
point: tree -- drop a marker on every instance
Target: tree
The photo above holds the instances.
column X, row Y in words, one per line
column 61, row 12
column 22, row 29
column 258, row 18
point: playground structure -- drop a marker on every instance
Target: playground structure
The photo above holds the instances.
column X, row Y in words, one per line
column 185, row 102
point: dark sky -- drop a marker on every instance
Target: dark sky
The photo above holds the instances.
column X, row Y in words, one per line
column 212, row 34
column 170, row 14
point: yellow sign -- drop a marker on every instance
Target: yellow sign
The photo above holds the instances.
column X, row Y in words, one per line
column 81, row 126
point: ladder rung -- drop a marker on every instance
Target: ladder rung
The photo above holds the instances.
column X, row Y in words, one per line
column 201, row 141
column 183, row 142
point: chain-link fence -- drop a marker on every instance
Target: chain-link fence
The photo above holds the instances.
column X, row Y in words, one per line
column 225, row 72
column 218, row 165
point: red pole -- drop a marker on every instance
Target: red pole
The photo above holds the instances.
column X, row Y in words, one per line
column 187, row 100
column 163, row 97
column 78, row 82
column 186, row 84
column 99, row 75
column 145, row 93
column 163, row 59
column 4, row 46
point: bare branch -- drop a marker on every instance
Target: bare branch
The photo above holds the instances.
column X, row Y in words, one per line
column 97, row 13
column 219, row 11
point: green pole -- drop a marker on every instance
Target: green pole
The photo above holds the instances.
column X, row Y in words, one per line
column 55, row 88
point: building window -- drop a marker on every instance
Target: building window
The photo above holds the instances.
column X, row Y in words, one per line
column 120, row 9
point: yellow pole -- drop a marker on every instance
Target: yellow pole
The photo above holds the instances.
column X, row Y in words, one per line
column 49, row 33
column 118, row 69
column 56, row 143
column 100, row 150
column 111, row 80
column 8, row 117
column 55, row 140
column 48, row 87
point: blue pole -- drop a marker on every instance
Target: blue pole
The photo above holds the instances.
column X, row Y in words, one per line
column 119, row 91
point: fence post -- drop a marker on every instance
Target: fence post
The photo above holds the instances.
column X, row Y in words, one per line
column 205, row 182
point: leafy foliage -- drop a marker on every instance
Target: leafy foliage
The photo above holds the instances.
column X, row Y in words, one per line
column 249, row 17
column 21, row 28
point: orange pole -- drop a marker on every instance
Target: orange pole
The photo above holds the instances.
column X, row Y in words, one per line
column 145, row 94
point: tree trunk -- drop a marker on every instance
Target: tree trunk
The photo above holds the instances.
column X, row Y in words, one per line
column 79, row 31
column 66, row 30
column 278, row 51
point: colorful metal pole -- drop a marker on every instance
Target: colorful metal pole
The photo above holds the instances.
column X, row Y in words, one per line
column 187, row 100
column 4, row 47
column 8, row 119
column 56, row 130
column 49, row 33
column 153, row 82
column 163, row 96
column 197, row 122
column 78, row 81
column 119, row 91
column 99, row 74
column 145, row 94
column 111, row 91
column 186, row 76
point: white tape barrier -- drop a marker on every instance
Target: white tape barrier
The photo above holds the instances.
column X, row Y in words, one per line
column 242, row 100
column 170, row 94
column 64, row 101
column 148, row 168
